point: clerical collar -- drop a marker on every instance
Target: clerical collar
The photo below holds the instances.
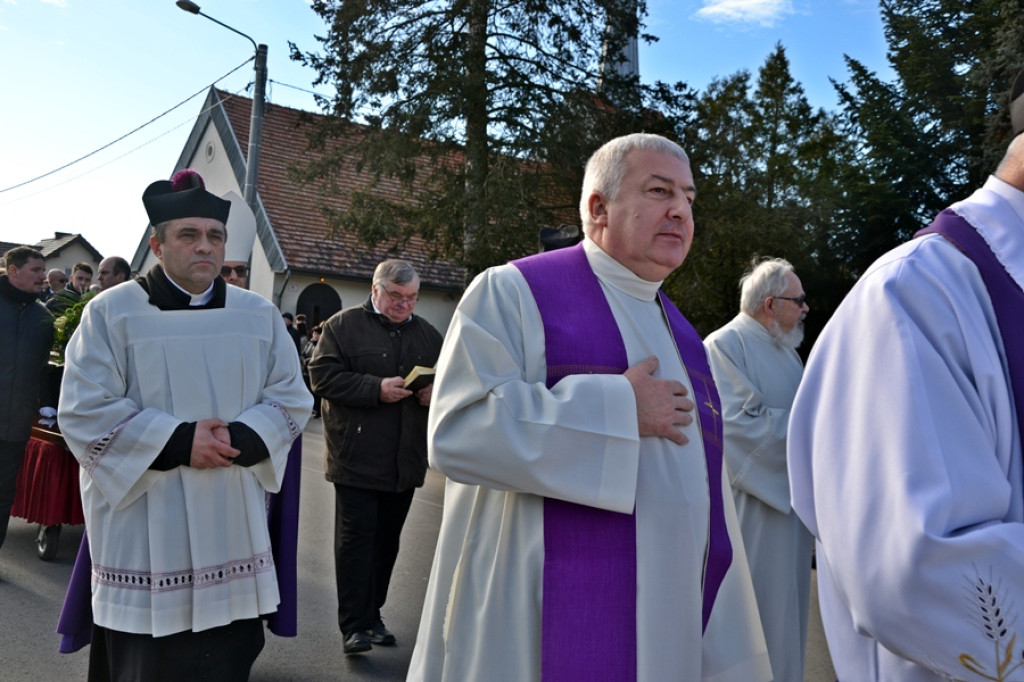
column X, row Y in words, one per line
column 1013, row 196
column 997, row 227
column 193, row 299
column 615, row 274
column 166, row 295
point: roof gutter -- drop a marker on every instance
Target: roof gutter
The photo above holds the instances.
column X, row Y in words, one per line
column 280, row 294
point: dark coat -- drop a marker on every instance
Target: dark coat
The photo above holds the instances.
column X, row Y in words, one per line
column 63, row 299
column 372, row 445
column 26, row 335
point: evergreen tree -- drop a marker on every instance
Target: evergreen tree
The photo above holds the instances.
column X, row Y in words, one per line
column 933, row 135
column 460, row 100
column 765, row 163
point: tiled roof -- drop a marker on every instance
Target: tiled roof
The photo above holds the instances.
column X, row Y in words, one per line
column 300, row 227
column 52, row 247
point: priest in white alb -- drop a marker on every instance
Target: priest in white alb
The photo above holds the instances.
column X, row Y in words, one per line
column 905, row 448
column 757, row 371
column 180, row 400
column 587, row 532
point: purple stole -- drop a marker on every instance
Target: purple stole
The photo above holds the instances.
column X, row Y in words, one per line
column 590, row 553
column 75, row 624
column 1006, row 296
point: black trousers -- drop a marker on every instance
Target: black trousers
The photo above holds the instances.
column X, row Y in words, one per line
column 12, row 454
column 223, row 654
column 367, row 528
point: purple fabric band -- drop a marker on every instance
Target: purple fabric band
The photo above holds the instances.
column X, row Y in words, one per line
column 589, row 553
column 709, row 414
column 75, row 622
column 1006, row 296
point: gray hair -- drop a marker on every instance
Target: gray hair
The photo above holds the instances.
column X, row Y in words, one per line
column 764, row 279
column 607, row 166
column 394, row 271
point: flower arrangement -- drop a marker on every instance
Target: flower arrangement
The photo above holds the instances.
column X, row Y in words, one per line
column 65, row 325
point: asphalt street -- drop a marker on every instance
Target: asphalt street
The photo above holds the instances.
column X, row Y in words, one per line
column 32, row 591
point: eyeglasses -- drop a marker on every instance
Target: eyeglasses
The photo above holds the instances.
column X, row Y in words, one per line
column 398, row 298
column 240, row 270
column 799, row 300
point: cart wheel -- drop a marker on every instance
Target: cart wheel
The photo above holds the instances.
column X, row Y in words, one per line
column 47, row 541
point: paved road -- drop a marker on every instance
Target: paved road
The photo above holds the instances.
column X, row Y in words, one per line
column 31, row 593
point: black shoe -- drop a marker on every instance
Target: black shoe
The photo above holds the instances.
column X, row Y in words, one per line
column 357, row 642
column 381, row 636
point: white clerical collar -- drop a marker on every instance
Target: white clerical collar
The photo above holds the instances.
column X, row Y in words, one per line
column 1013, row 196
column 615, row 274
column 195, row 299
column 996, row 224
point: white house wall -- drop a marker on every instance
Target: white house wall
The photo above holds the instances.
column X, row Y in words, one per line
column 69, row 255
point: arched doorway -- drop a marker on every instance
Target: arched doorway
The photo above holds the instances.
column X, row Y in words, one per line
column 318, row 301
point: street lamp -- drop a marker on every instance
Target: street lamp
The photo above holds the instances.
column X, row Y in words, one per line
column 252, row 165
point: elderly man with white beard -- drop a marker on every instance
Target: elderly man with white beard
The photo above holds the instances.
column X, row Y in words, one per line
column 757, row 371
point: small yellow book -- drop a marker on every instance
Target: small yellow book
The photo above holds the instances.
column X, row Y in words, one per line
column 419, row 377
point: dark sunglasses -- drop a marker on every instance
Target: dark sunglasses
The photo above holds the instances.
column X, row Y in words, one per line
column 240, row 270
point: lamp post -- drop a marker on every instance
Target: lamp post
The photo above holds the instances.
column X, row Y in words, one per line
column 252, row 165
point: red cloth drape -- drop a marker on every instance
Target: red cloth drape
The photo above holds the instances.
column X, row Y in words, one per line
column 48, row 491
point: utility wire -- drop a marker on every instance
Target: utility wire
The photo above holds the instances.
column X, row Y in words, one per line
column 128, row 134
column 117, row 158
column 295, row 87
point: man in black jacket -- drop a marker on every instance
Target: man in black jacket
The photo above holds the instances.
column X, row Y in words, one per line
column 26, row 334
column 375, row 431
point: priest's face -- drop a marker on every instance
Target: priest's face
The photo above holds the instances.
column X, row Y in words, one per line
column 648, row 226
column 396, row 301
column 192, row 252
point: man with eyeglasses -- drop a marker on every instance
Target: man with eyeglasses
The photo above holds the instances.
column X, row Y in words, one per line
column 757, row 372
column 181, row 398
column 375, row 431
column 56, row 279
column 242, row 228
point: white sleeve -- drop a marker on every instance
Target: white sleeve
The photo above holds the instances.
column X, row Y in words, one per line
column 754, row 433
column 111, row 436
column 493, row 422
column 905, row 464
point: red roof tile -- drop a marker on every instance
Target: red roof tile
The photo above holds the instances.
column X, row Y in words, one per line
column 299, row 224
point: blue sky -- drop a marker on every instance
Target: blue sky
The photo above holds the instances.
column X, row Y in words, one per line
column 79, row 74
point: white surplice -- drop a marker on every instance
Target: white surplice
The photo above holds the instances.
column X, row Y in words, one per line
column 757, row 380
column 905, row 464
column 505, row 442
column 185, row 549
